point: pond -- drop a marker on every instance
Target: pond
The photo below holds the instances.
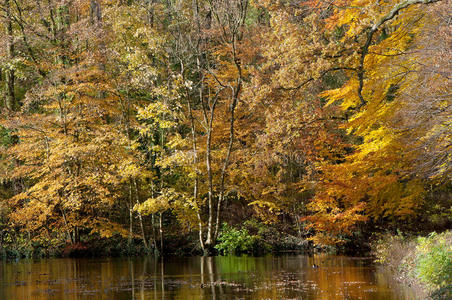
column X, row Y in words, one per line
column 269, row 277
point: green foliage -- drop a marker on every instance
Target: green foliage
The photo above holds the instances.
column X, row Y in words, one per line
column 7, row 137
column 425, row 260
column 257, row 238
column 434, row 259
column 21, row 246
column 442, row 293
column 235, row 241
column 257, row 15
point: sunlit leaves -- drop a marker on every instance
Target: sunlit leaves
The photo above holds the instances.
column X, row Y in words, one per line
column 379, row 174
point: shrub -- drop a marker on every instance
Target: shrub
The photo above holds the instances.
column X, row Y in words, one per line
column 434, row 260
column 442, row 293
column 235, row 241
column 426, row 260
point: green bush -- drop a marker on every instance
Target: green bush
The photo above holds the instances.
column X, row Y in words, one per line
column 426, row 260
column 434, row 260
column 235, row 241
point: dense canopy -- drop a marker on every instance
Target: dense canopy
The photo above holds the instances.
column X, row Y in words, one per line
column 140, row 119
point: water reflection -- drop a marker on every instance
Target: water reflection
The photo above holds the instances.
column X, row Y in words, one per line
column 270, row 277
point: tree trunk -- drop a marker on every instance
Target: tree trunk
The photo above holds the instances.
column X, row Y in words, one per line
column 161, row 232
column 209, row 241
column 154, row 237
column 130, row 217
column 68, row 232
column 10, row 99
column 140, row 218
column 95, row 12
column 195, row 153
column 195, row 163
column 228, row 155
column 235, row 98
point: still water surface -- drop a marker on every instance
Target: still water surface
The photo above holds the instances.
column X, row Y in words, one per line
column 269, row 277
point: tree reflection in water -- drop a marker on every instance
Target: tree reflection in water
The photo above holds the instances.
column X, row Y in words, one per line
column 269, row 277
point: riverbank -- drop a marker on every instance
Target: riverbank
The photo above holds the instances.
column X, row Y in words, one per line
column 422, row 262
column 251, row 237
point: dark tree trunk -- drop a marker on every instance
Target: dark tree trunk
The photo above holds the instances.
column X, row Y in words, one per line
column 10, row 99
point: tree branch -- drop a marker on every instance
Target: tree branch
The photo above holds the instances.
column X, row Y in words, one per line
column 313, row 78
column 373, row 29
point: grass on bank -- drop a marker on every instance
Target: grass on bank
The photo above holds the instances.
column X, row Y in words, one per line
column 424, row 261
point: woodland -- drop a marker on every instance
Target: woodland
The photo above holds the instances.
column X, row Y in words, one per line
column 185, row 125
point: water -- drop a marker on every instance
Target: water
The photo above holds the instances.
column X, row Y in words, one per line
column 269, row 277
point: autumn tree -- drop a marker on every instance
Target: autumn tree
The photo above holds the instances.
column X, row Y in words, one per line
column 286, row 131
column 379, row 179
column 10, row 97
column 69, row 150
column 208, row 78
column 132, row 118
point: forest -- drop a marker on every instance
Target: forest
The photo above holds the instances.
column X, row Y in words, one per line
column 206, row 126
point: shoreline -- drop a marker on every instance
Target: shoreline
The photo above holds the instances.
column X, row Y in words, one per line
column 423, row 263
